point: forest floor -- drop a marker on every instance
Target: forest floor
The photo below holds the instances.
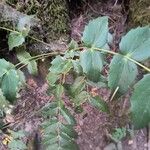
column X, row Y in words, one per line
column 94, row 127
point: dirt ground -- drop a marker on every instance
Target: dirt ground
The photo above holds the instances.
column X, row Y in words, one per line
column 93, row 126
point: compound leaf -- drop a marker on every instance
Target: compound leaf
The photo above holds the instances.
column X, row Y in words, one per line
column 140, row 103
column 58, row 131
column 122, row 74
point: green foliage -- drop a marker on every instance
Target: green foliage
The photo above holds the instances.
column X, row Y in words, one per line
column 118, row 134
column 17, row 38
column 86, row 67
column 96, row 33
column 92, row 63
column 52, row 78
column 122, row 73
column 4, row 65
column 26, row 59
column 99, row 104
column 10, row 76
column 72, row 45
column 77, row 91
column 136, row 43
column 60, row 65
column 17, row 142
column 140, row 103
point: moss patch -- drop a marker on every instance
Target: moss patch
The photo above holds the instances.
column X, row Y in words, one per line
column 139, row 12
column 53, row 14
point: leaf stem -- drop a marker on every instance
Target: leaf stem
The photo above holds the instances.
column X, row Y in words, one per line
column 31, row 37
column 10, row 30
column 125, row 56
column 141, row 65
column 35, row 58
column 40, row 56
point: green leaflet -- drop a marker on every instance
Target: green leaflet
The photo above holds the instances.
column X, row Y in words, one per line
column 52, row 78
column 99, row 104
column 77, row 67
column 60, row 65
column 17, row 145
column 122, row 73
column 80, row 98
column 10, row 80
column 67, row 116
column 17, row 142
column 15, row 40
column 136, row 43
column 50, row 110
column 119, row 134
column 19, row 134
column 77, row 86
column 77, row 91
column 9, row 84
column 96, row 33
column 21, row 78
column 92, row 64
column 53, row 108
column 25, row 58
column 4, row 66
column 140, row 103
column 59, row 91
column 72, row 45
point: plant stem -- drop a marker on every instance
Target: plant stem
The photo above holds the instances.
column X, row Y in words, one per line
column 35, row 59
column 40, row 57
column 139, row 64
column 114, row 53
column 10, row 30
column 103, row 50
